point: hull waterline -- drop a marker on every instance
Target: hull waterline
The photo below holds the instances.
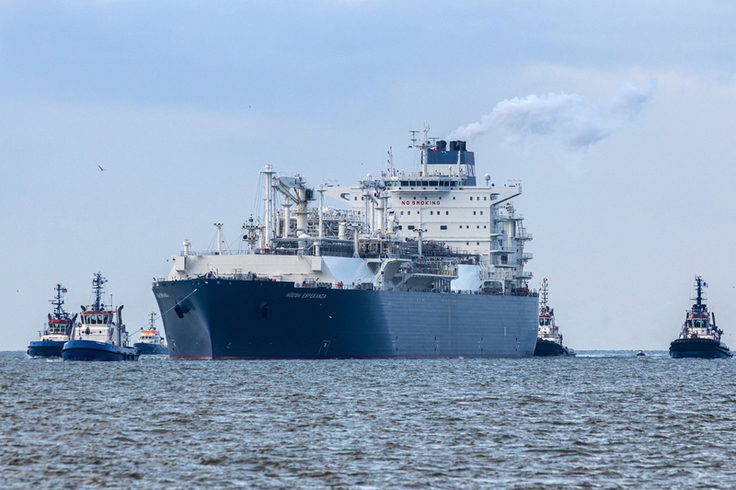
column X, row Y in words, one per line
column 699, row 348
column 89, row 350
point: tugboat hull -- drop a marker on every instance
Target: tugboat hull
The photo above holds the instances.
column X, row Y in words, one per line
column 699, row 348
column 150, row 349
column 547, row 348
column 90, row 350
column 45, row 348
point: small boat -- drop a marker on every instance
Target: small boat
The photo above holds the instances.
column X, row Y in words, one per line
column 699, row 336
column 99, row 337
column 56, row 332
column 640, row 354
column 150, row 342
column 549, row 339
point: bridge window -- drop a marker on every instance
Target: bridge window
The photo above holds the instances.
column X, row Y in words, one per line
column 473, row 211
column 447, row 213
column 443, row 227
column 410, row 227
column 471, row 198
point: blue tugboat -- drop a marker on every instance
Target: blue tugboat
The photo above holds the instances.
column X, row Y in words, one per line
column 56, row 332
column 98, row 337
column 700, row 337
column 150, row 342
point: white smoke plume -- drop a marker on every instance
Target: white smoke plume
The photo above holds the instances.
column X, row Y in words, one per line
column 570, row 117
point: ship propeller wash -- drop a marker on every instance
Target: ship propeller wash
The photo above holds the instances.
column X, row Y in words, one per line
column 420, row 264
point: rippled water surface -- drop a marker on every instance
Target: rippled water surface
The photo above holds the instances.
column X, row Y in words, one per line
column 602, row 421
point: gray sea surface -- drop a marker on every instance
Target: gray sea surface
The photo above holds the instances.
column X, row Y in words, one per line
column 600, row 420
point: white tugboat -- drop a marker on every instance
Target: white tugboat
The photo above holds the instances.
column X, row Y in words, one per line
column 149, row 341
column 99, row 337
column 699, row 336
column 549, row 338
column 56, row 332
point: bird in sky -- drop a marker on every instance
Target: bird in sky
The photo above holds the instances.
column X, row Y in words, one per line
column 102, row 169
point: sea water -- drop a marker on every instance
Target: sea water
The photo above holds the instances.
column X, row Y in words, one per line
column 602, row 420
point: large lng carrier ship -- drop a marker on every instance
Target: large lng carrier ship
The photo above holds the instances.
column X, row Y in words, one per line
column 423, row 264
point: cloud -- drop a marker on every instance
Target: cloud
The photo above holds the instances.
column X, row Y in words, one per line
column 569, row 117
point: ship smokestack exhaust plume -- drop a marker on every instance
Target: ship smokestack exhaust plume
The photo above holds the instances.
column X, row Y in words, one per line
column 570, row 118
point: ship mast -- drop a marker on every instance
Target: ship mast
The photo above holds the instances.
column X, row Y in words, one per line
column 58, row 301
column 97, row 286
column 699, row 306
column 424, row 146
column 544, row 292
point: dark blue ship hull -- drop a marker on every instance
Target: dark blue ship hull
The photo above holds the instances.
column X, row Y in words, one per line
column 238, row 319
column 45, row 348
column 700, row 348
column 90, row 350
column 547, row 348
column 150, row 349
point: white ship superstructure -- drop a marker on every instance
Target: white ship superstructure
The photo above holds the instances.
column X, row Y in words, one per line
column 441, row 204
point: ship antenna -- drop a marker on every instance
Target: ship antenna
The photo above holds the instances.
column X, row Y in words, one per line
column 413, row 138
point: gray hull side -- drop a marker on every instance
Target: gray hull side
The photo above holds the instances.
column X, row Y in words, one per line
column 273, row 320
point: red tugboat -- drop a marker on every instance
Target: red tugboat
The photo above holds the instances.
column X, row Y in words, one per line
column 549, row 339
column 56, row 332
column 699, row 336
column 99, row 337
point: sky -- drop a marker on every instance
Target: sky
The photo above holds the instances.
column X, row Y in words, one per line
column 617, row 118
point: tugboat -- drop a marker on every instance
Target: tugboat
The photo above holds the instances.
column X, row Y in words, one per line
column 700, row 337
column 56, row 332
column 150, row 342
column 549, row 339
column 99, row 337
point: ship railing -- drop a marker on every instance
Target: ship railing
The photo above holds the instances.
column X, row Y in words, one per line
column 211, row 252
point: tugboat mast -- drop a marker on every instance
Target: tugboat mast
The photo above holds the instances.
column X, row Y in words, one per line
column 58, row 301
column 544, row 292
column 97, row 287
column 699, row 306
